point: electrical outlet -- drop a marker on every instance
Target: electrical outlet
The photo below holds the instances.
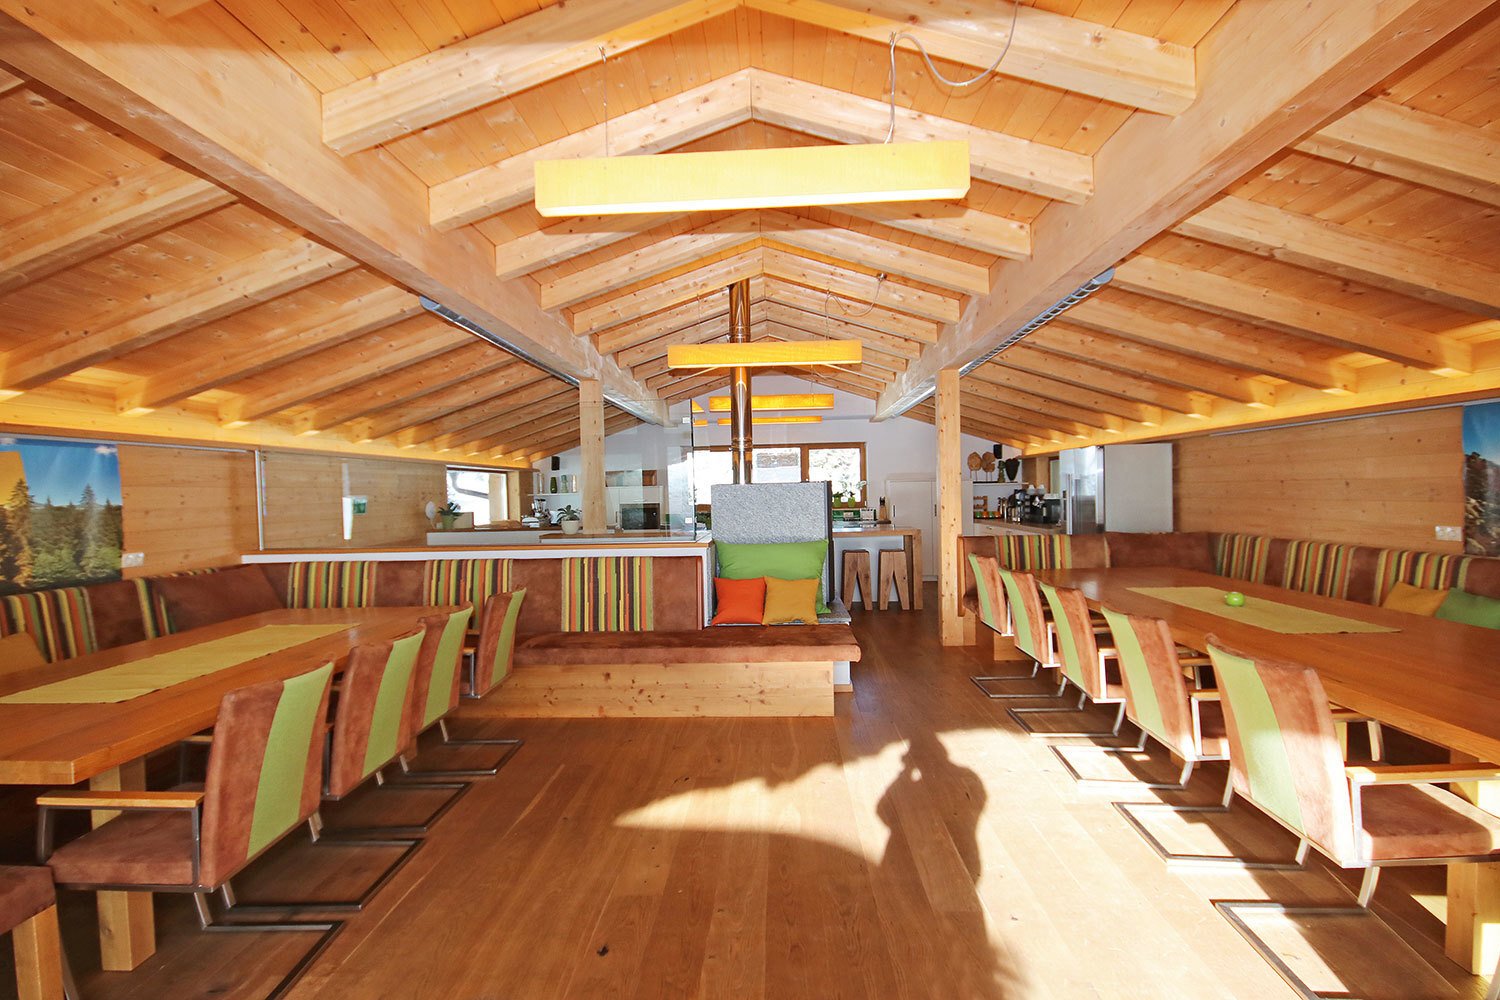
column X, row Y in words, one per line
column 129, row 559
column 1448, row 533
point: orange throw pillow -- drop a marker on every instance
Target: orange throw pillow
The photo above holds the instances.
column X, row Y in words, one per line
column 1416, row 600
column 740, row 602
column 790, row 601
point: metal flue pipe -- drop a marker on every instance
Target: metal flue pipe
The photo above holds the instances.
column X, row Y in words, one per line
column 740, row 435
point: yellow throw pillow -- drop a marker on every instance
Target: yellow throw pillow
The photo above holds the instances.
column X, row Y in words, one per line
column 1416, row 600
column 790, row 601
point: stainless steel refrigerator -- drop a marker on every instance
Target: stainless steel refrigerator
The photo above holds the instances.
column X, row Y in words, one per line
column 1082, row 489
column 1124, row 487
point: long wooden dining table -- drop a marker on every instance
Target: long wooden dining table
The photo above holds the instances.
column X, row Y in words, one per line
column 1435, row 679
column 106, row 742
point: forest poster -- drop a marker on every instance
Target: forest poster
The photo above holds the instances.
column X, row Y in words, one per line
column 60, row 519
column 1482, row 479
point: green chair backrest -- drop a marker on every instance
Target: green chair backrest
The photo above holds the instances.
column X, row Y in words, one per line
column 497, row 639
column 1284, row 756
column 1026, row 614
column 1076, row 649
column 386, row 734
column 1156, row 693
column 264, row 770
column 442, row 680
column 989, row 590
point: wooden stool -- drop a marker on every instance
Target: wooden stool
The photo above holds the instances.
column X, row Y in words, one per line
column 857, row 571
column 893, row 570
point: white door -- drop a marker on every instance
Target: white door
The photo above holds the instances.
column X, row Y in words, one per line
column 914, row 505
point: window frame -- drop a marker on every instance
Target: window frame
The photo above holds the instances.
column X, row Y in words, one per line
column 805, row 447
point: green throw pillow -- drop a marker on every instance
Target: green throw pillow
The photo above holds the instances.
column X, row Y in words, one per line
column 1471, row 609
column 783, row 560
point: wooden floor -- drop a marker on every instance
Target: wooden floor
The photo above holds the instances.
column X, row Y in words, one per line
column 917, row 845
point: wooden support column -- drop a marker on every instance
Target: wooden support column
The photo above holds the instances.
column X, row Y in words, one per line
column 591, row 445
column 127, row 924
column 955, row 630
column 1473, row 928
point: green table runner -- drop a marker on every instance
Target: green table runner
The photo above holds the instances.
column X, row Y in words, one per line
column 163, row 670
column 1288, row 619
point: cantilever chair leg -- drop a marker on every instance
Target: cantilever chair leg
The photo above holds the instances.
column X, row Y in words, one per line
column 303, row 907
column 329, row 929
column 409, row 773
column 1019, row 714
column 1186, row 775
column 981, row 680
column 1128, row 810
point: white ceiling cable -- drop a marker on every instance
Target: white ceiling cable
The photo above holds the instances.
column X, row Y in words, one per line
column 897, row 36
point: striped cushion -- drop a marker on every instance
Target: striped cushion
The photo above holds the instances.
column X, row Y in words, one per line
column 148, row 615
column 473, row 581
column 608, row 594
column 60, row 621
column 342, row 584
column 1431, row 570
column 1321, row 568
column 1027, row 553
column 1242, row 556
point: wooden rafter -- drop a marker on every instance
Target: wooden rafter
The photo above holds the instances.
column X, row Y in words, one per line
column 849, row 284
column 711, row 279
column 678, row 317
column 951, row 223
column 875, row 253
column 567, row 239
column 502, row 382
column 1100, row 377
column 521, row 408
column 1039, row 385
column 818, row 304
column 819, row 325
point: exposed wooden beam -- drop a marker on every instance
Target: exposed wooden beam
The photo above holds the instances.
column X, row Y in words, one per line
column 1399, row 265
column 1103, row 378
column 671, row 122
column 666, row 254
column 335, row 323
column 838, row 328
column 208, row 91
column 657, row 347
column 9, row 81
column 1321, row 321
column 847, row 284
column 872, row 252
column 1012, row 403
column 265, row 276
column 118, row 212
column 711, row 278
column 1327, row 53
column 678, row 317
column 1416, row 146
column 591, row 445
column 951, row 223
column 498, row 63
column 570, row 238
column 1063, row 52
column 1038, row 385
column 993, row 156
column 1243, row 349
column 1163, row 366
column 544, row 434
column 690, row 387
column 818, row 303
column 478, row 423
column 504, row 380
column 390, row 350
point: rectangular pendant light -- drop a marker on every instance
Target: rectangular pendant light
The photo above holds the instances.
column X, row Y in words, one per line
column 753, row 178
column 791, row 401
column 790, row 418
column 766, row 354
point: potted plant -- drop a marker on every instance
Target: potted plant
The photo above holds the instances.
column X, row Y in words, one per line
column 448, row 514
column 570, row 520
column 848, row 495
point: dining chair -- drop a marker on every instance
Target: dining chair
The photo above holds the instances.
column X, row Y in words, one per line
column 496, row 648
column 1082, row 662
column 1011, row 605
column 28, row 913
column 264, row 780
column 1286, row 759
column 437, row 696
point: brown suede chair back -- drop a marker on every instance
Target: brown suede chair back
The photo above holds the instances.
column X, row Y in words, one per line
column 1026, row 617
column 264, row 769
column 1156, row 693
column 1284, row 756
column 497, row 641
column 983, row 546
column 373, row 723
column 1078, row 650
column 989, row 592
column 436, row 687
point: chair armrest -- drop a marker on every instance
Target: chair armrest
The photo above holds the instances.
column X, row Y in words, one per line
column 1420, row 774
column 81, row 799
column 1204, row 694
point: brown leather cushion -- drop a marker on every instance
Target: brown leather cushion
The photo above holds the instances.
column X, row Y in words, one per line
column 24, row 892
column 116, row 608
column 1418, row 821
column 135, row 848
column 1483, row 577
column 401, row 584
column 725, row 644
column 207, row 598
column 1181, row 549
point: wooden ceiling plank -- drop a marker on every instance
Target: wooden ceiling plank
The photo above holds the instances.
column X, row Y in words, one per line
column 1203, row 341
column 694, row 113
column 116, row 213
column 1321, row 321
column 666, row 254
column 314, row 380
column 1327, row 53
column 657, row 347
column 265, row 276
column 1393, row 139
column 1063, row 52
column 820, row 325
column 1399, row 265
column 500, row 414
column 10, row 81
column 1101, row 377
column 1043, row 407
column 817, row 303
column 845, row 284
column 1023, row 416
column 498, row 63
column 709, row 279
column 1063, row 392
column 993, row 156
column 1163, row 366
column 951, row 223
column 541, row 432
column 570, row 238
column 679, row 317
column 873, row 252
column 336, row 323
column 506, row 381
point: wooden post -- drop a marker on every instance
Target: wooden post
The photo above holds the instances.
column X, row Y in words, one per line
column 591, row 445
column 954, row 630
column 127, row 925
column 1473, row 929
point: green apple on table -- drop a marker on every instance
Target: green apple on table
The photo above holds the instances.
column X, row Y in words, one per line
column 1234, row 599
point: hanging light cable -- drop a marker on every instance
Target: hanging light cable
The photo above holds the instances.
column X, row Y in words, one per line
column 897, row 36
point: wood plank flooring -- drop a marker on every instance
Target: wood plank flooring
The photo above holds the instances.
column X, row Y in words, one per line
column 916, row 845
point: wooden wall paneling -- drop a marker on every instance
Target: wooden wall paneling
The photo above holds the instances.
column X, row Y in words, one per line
column 304, row 500
column 186, row 508
column 1384, row 480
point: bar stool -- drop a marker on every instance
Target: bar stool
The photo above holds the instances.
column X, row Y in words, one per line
column 893, row 570
column 857, row 572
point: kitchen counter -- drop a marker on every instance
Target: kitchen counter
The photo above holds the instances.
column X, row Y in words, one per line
column 998, row 527
column 626, row 537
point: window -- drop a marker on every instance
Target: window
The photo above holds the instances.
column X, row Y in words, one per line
column 843, row 465
column 710, row 467
column 481, row 492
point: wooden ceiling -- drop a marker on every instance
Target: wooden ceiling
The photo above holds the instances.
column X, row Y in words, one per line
column 218, row 216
